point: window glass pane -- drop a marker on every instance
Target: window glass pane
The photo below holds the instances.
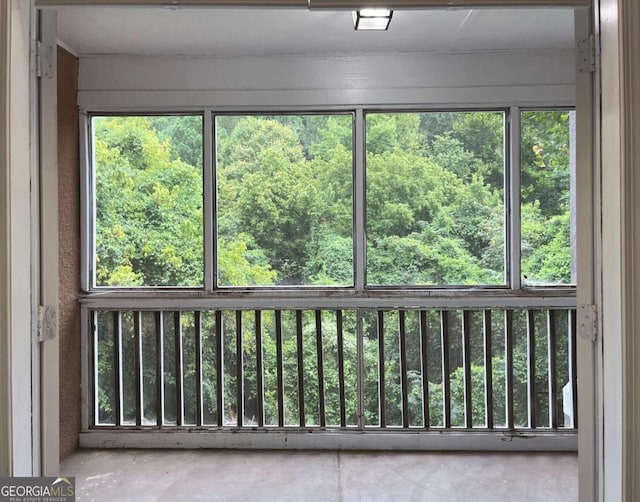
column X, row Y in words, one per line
column 548, row 174
column 435, row 199
column 148, row 200
column 285, row 203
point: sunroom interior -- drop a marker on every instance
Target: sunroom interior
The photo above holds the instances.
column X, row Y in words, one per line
column 278, row 232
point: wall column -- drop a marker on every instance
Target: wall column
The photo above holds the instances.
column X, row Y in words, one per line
column 620, row 264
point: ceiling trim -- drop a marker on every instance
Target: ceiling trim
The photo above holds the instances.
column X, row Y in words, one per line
column 319, row 4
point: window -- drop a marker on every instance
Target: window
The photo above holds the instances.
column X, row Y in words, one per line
column 548, row 202
column 148, row 200
column 435, row 199
column 285, row 200
column 352, row 200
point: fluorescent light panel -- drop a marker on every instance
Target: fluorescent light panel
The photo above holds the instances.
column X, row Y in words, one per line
column 372, row 19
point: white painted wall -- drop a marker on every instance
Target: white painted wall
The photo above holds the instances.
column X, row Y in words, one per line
column 491, row 79
column 5, row 360
column 18, row 236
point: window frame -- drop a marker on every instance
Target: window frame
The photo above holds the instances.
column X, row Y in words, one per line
column 360, row 294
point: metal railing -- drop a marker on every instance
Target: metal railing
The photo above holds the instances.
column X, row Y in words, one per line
column 358, row 369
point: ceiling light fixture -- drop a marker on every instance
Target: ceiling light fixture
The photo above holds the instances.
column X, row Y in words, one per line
column 372, row 19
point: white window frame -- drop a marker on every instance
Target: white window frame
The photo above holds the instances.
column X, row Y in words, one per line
column 358, row 296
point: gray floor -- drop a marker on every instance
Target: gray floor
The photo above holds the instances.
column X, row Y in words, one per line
column 177, row 475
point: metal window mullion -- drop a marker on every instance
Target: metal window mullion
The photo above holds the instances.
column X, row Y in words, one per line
column 359, row 193
column 403, row 368
column 531, row 369
column 117, row 365
column 320, row 361
column 488, row 369
column 137, row 326
column 209, row 203
column 159, row 368
column 259, row 370
column 280, row 368
column 179, row 363
column 239, row 371
column 92, row 212
column 425, row 365
column 198, row 348
column 87, row 196
column 446, row 373
column 466, row 361
column 514, row 177
column 341, row 386
column 553, row 377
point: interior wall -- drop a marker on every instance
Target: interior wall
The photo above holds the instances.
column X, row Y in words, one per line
column 21, row 242
column 5, row 384
column 69, row 251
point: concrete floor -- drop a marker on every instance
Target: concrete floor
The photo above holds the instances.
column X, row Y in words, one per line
column 208, row 475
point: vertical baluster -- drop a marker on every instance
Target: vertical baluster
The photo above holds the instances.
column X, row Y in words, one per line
column 339, row 328
column 466, row 362
column 94, row 373
column 239, row 370
column 553, row 376
column 446, row 375
column 488, row 369
column 573, row 365
column 360, row 351
column 300, row 367
column 259, row 370
column 403, row 368
column 381, row 375
column 425, row 363
column 280, row 364
column 159, row 369
column 117, row 365
column 197, row 319
column 531, row 370
column 323, row 418
column 137, row 328
column 177, row 320
column 508, row 347
column 219, row 370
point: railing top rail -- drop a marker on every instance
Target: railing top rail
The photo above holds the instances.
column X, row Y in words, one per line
column 335, row 300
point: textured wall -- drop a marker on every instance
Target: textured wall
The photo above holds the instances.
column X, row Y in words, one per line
column 69, row 260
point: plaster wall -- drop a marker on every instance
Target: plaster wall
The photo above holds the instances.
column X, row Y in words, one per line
column 69, row 256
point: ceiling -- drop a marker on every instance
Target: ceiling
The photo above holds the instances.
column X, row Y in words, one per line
column 259, row 32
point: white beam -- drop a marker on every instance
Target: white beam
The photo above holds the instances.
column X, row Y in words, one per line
column 321, row 4
column 49, row 280
column 333, row 440
column 16, row 259
column 5, row 289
